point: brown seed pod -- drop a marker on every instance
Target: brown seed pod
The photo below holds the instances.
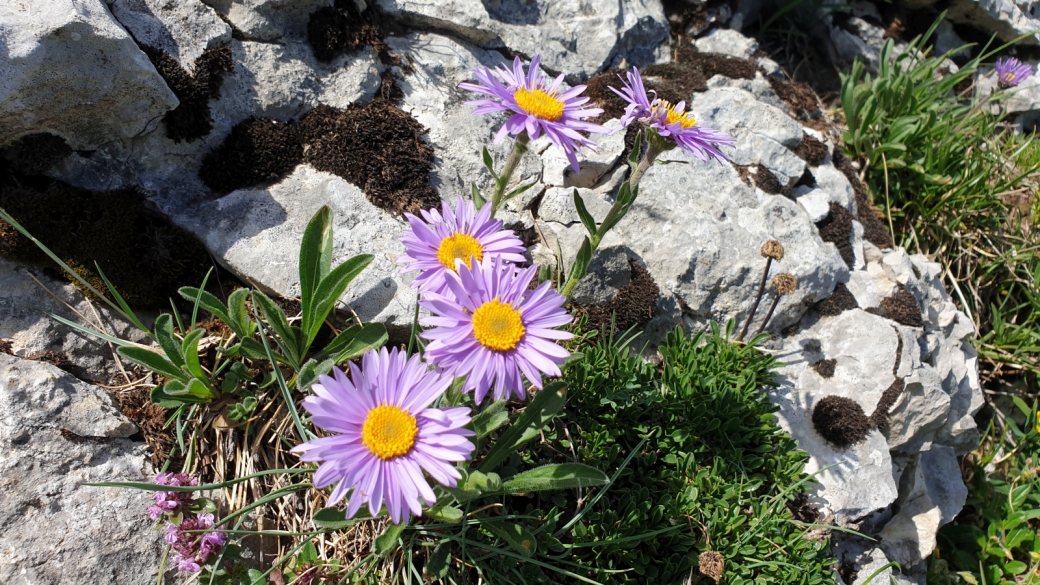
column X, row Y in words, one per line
column 773, row 249
column 784, row 283
column 711, row 565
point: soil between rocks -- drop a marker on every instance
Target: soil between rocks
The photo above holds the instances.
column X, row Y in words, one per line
column 874, row 231
column 35, row 153
column 150, row 419
column 811, row 150
column 258, row 151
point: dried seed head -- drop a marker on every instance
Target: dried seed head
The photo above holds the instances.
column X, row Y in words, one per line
column 711, row 565
column 784, row 283
column 773, row 249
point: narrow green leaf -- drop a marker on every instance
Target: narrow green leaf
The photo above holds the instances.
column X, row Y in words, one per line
column 490, row 419
column 437, row 566
column 90, row 331
column 539, row 411
column 516, row 536
column 331, row 288
column 122, row 303
column 560, row 476
column 190, row 349
column 153, row 361
column 633, row 156
column 583, row 213
column 206, row 301
column 332, row 519
column 193, row 391
column 169, row 344
column 310, row 371
column 368, row 337
column 315, row 261
column 478, row 199
column 160, row 397
column 519, row 190
column 276, row 319
column 387, row 541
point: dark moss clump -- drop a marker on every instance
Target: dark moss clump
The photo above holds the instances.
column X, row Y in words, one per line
column 841, row 421
column 378, row 147
column 633, row 306
column 765, row 180
column 675, row 82
column 191, row 120
column 879, row 418
column 337, row 30
column 798, row 96
column 902, row 308
column 841, row 300
column 258, row 150
column 836, row 228
column 597, row 89
column 712, row 64
column 811, row 150
column 35, row 153
column 874, row 231
column 144, row 256
column 825, row 368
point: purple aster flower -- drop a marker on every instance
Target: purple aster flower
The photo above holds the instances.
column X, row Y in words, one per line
column 190, row 550
column 1011, row 71
column 670, row 121
column 171, row 502
column 537, row 105
column 387, row 434
column 432, row 246
column 496, row 329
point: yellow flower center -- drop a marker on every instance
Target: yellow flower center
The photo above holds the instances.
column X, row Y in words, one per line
column 685, row 118
column 389, row 432
column 458, row 246
column 498, row 326
column 1009, row 77
column 539, row 104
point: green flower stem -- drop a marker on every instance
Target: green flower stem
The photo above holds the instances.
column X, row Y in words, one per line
column 617, row 211
column 519, row 148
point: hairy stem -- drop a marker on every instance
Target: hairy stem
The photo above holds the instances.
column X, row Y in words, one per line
column 515, row 155
column 769, row 315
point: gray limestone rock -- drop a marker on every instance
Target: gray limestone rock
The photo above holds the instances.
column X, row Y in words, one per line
column 184, row 29
column 579, row 38
column 256, row 234
column 25, row 292
column 1005, row 18
column 269, row 20
column 70, row 69
column 727, row 42
column 55, row 433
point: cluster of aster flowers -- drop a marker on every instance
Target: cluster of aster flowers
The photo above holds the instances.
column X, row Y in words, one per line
column 487, row 324
column 190, row 547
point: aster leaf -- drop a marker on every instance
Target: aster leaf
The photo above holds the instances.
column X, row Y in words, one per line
column 586, row 218
column 581, row 261
column 387, row 541
column 517, row 537
column 490, row 419
column 559, row 476
column 330, row 289
column 206, row 301
column 310, row 371
column 153, row 361
column 190, row 348
column 332, row 519
column 160, row 397
column 445, row 513
column 276, row 319
column 633, row 156
column 519, row 190
column 354, row 341
column 539, row 411
column 168, row 343
column 478, row 199
column 489, row 162
column 238, row 317
column 437, row 566
column 315, row 260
